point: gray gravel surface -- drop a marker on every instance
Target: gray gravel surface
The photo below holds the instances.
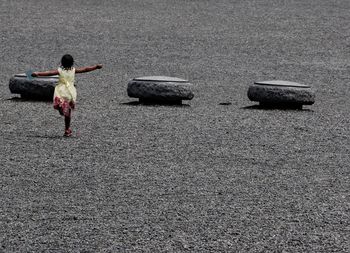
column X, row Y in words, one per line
column 201, row 177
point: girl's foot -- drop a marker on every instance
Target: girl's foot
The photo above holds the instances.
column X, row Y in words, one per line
column 68, row 132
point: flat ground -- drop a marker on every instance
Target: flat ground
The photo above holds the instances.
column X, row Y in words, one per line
column 202, row 177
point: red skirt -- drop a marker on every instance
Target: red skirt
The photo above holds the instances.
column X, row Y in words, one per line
column 63, row 106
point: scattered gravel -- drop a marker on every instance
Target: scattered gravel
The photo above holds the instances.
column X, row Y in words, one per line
column 201, row 177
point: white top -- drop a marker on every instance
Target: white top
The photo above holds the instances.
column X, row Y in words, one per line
column 282, row 83
column 161, row 79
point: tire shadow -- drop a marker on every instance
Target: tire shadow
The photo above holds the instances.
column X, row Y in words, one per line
column 26, row 100
column 275, row 107
column 154, row 104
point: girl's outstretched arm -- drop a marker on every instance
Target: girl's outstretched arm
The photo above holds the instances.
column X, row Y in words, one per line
column 45, row 73
column 88, row 69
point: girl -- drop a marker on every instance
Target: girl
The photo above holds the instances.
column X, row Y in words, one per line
column 65, row 93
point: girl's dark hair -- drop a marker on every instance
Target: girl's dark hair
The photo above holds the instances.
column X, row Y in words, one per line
column 67, row 61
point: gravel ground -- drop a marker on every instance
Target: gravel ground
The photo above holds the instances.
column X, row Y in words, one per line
column 201, row 177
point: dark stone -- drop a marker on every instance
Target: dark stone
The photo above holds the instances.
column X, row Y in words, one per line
column 281, row 94
column 160, row 89
column 38, row 88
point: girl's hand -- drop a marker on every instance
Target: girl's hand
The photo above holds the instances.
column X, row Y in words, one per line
column 34, row 74
column 99, row 66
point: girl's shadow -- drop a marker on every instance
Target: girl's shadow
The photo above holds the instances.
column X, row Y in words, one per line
column 52, row 137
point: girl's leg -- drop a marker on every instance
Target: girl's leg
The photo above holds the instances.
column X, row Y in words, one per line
column 67, row 120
